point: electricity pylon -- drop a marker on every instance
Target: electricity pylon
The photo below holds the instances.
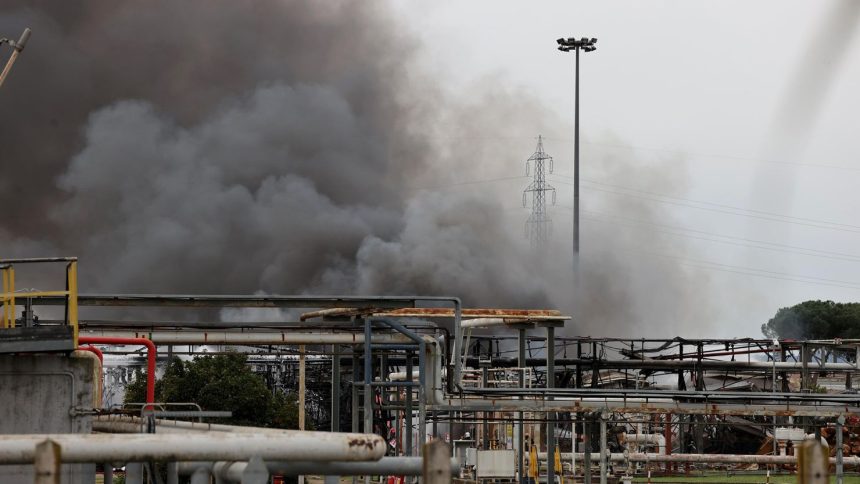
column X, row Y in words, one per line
column 539, row 224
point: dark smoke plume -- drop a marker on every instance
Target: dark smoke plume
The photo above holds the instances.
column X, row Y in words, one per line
column 238, row 146
column 289, row 147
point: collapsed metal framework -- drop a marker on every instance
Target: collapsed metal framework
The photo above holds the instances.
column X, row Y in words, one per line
column 407, row 358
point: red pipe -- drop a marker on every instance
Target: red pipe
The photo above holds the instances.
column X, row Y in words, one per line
column 150, row 357
column 95, row 351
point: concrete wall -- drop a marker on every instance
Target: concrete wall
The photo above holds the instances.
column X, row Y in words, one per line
column 42, row 394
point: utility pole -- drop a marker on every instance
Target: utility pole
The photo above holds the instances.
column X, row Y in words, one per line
column 566, row 45
column 17, row 47
column 538, row 225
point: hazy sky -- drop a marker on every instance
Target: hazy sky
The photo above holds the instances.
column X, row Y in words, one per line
column 699, row 91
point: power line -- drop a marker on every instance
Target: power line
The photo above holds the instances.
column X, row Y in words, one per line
column 715, row 266
column 721, row 208
column 727, row 157
column 692, row 155
column 715, row 237
column 489, row 180
column 718, row 266
column 764, row 212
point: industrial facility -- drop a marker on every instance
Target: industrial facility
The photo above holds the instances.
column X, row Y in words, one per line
column 391, row 375
column 234, row 251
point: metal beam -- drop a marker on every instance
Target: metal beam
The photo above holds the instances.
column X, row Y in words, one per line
column 236, row 301
column 618, row 406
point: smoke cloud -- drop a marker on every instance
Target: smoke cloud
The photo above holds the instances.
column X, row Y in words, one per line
column 291, row 147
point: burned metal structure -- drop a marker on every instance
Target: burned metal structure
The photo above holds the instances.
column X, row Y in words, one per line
column 394, row 373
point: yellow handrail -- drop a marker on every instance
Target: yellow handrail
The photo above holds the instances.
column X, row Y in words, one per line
column 8, row 296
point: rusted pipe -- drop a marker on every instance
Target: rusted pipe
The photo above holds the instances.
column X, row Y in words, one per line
column 215, row 446
column 151, row 353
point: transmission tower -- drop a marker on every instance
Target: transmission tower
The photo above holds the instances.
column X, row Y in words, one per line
column 538, row 225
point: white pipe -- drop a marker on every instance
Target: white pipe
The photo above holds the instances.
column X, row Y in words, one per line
column 89, row 448
column 398, row 466
column 131, row 425
column 487, row 322
column 250, row 338
column 436, row 395
column 657, row 439
column 401, row 376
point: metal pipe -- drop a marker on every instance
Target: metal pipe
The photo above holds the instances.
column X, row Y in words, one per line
column 239, row 301
column 92, row 349
column 335, row 388
column 408, row 403
column 674, row 364
column 201, row 476
column 658, row 440
column 368, row 376
column 643, row 406
column 489, row 322
column 172, row 473
column 151, row 353
column 604, row 468
column 651, row 401
column 700, row 458
column 422, row 350
column 521, row 357
column 302, row 387
column 134, row 473
column 402, row 466
column 131, row 425
column 665, row 395
column 249, row 338
column 586, row 468
column 840, row 458
column 86, row 448
column 550, row 383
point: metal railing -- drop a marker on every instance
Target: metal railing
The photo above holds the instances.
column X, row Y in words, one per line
column 70, row 294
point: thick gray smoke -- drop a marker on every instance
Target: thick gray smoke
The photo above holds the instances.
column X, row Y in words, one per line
column 236, row 147
column 815, row 72
column 805, row 94
column 291, row 147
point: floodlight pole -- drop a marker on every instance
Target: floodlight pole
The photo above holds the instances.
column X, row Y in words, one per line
column 566, row 45
column 576, row 162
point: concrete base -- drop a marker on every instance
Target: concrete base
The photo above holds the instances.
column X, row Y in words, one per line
column 43, row 394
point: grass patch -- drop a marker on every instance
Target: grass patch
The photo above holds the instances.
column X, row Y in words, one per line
column 740, row 479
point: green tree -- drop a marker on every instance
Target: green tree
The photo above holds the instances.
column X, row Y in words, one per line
column 221, row 382
column 815, row 320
